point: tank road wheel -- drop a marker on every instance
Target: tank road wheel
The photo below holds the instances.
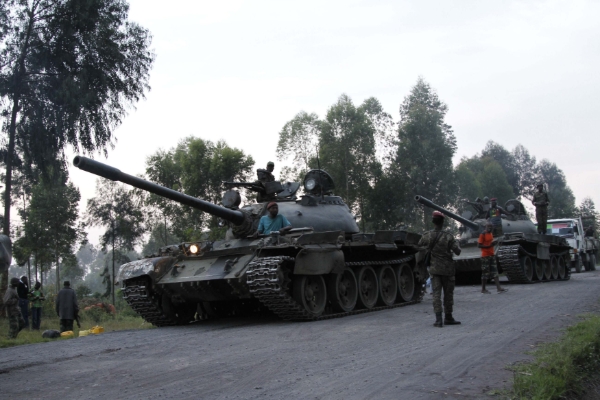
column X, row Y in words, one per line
column 538, row 269
column 527, row 267
column 342, row 290
column 368, row 289
column 181, row 314
column 406, row 282
column 547, row 269
column 388, row 285
column 310, row 292
column 562, row 268
column 554, row 267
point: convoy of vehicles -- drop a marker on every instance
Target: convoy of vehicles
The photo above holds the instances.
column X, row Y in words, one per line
column 522, row 254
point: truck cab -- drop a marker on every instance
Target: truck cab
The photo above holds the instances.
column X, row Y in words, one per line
column 584, row 250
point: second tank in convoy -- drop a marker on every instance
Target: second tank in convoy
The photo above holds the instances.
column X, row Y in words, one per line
column 524, row 255
column 324, row 267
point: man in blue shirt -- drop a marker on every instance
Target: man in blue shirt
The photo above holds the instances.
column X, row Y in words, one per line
column 273, row 221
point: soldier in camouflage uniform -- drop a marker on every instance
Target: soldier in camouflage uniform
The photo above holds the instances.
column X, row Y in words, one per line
column 265, row 176
column 540, row 201
column 11, row 301
column 441, row 245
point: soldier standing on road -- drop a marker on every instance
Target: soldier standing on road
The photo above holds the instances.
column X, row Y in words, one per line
column 66, row 307
column 494, row 216
column 441, row 245
column 11, row 301
column 540, row 201
column 488, row 259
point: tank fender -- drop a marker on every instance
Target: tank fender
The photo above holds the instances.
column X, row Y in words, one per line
column 153, row 267
column 319, row 261
column 543, row 251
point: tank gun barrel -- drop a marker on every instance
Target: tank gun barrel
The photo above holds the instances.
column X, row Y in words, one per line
column 108, row 172
column 470, row 224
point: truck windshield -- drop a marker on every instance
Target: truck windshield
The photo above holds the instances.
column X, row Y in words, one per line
column 563, row 229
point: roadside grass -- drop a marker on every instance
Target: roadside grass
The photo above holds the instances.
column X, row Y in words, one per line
column 110, row 323
column 560, row 369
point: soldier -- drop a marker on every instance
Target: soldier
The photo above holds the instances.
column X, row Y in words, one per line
column 265, row 176
column 488, row 260
column 439, row 245
column 66, row 307
column 11, row 301
column 589, row 232
column 494, row 216
column 540, row 201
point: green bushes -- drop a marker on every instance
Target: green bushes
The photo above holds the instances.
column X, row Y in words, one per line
column 559, row 369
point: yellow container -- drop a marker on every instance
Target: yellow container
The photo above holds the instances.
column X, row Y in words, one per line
column 67, row 334
column 84, row 333
column 97, row 329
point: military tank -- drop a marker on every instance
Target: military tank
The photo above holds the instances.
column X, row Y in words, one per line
column 524, row 255
column 324, row 267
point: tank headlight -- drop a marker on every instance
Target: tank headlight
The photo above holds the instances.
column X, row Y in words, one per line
column 193, row 249
column 310, row 184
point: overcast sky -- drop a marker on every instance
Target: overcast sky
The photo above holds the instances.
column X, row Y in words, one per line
column 516, row 72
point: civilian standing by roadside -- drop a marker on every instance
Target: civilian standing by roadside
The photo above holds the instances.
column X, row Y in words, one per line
column 66, row 307
column 23, row 292
column 36, row 306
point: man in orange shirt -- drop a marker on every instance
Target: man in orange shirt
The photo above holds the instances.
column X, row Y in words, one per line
column 488, row 260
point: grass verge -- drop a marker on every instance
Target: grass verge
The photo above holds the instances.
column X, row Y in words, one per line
column 560, row 369
column 108, row 322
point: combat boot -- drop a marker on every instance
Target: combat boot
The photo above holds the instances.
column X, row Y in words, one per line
column 449, row 320
column 438, row 320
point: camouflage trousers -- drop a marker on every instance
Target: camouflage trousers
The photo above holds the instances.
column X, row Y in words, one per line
column 16, row 323
column 488, row 267
column 497, row 231
column 445, row 283
column 541, row 214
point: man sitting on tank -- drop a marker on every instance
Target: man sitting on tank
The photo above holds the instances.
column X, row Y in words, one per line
column 273, row 221
column 494, row 217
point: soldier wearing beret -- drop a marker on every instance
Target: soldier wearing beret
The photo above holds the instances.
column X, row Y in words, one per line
column 440, row 246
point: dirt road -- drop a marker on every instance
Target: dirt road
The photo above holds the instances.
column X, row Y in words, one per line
column 393, row 354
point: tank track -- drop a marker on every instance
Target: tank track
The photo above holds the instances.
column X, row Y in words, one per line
column 508, row 260
column 268, row 282
column 136, row 295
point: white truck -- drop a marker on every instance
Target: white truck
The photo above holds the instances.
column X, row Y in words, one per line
column 584, row 250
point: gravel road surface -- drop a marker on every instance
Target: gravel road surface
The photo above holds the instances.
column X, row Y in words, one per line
column 392, row 354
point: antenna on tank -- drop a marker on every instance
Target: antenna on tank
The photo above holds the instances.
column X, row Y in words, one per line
column 319, row 165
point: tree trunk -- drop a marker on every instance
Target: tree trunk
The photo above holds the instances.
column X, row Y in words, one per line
column 57, row 275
